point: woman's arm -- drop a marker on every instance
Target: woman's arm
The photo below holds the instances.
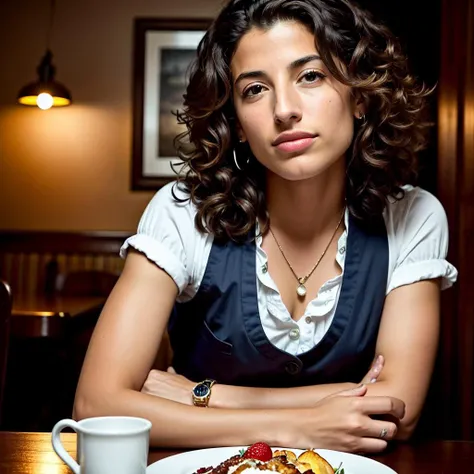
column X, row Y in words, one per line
column 121, row 352
column 123, row 349
column 408, row 338
column 226, row 396
column 175, row 387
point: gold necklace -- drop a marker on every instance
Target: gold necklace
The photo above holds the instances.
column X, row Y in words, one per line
column 301, row 289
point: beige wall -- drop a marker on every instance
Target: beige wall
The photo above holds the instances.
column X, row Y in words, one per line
column 69, row 169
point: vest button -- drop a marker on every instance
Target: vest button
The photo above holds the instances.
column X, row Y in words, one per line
column 294, row 334
column 292, row 368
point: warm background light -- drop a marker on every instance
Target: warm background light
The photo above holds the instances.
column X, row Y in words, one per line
column 70, row 168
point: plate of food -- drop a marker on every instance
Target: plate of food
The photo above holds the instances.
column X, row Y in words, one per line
column 261, row 458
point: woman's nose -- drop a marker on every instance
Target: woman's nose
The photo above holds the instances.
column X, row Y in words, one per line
column 287, row 106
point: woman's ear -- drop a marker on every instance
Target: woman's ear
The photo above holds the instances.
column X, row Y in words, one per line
column 240, row 133
column 359, row 107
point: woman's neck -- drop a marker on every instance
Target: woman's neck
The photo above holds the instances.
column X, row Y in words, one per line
column 304, row 209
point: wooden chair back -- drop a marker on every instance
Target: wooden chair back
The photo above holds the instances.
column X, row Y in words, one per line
column 5, row 315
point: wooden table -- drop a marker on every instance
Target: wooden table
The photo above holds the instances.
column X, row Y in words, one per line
column 39, row 316
column 49, row 337
column 32, row 453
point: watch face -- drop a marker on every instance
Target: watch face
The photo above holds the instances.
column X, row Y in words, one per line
column 201, row 390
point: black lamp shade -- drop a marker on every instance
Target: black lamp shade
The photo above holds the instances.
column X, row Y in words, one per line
column 45, row 84
column 28, row 94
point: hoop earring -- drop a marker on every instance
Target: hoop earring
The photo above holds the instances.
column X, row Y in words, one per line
column 362, row 118
column 236, row 162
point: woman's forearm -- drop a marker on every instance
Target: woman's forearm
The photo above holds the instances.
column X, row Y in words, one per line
column 330, row 424
column 230, row 397
column 227, row 396
column 172, row 386
column 177, row 425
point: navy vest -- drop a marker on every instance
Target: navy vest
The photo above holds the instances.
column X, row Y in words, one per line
column 218, row 334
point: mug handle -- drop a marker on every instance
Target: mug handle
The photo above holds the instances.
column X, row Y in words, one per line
column 58, row 446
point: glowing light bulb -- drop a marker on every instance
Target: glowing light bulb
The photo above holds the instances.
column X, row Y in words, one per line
column 44, row 101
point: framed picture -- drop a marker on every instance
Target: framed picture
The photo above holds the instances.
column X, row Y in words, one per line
column 163, row 51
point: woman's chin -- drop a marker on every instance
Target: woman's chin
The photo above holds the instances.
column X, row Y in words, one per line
column 300, row 173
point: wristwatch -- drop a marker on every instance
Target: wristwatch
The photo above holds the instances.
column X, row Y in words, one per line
column 202, row 393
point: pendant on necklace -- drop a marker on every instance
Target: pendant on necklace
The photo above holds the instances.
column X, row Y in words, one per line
column 301, row 290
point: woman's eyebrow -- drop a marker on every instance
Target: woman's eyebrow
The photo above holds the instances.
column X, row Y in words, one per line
column 297, row 63
column 304, row 60
column 250, row 75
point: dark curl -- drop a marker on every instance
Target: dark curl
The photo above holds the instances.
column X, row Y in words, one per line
column 359, row 53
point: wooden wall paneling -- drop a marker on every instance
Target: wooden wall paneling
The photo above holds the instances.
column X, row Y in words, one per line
column 62, row 262
column 43, row 262
column 18, row 271
column 32, row 274
column 89, row 262
column 99, row 263
column 456, row 192
column 31, row 260
column 94, row 242
column 466, row 233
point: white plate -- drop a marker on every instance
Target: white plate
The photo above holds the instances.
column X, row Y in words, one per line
column 189, row 462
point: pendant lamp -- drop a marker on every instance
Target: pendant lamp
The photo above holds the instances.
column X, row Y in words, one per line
column 45, row 92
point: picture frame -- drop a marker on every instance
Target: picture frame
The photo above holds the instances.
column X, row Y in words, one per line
column 163, row 49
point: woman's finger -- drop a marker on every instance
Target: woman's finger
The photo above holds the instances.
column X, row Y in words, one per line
column 359, row 391
column 385, row 430
column 372, row 445
column 375, row 370
column 383, row 406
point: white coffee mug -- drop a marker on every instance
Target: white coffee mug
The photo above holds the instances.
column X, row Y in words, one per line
column 106, row 445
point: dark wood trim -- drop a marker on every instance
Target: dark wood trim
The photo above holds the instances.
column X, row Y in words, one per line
column 5, row 324
column 456, row 192
column 90, row 242
column 141, row 26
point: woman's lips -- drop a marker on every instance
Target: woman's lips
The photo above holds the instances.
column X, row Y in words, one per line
column 292, row 146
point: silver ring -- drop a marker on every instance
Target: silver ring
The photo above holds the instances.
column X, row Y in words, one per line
column 383, row 433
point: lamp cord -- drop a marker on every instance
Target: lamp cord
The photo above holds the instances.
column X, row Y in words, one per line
column 51, row 22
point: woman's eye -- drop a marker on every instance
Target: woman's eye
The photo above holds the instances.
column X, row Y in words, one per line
column 312, row 76
column 253, row 90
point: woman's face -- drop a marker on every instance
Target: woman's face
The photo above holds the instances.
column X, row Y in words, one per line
column 298, row 120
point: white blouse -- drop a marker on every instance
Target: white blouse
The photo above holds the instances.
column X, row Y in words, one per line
column 417, row 232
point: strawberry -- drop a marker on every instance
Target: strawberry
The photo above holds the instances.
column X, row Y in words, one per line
column 260, row 451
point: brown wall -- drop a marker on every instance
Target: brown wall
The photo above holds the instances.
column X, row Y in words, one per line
column 69, row 169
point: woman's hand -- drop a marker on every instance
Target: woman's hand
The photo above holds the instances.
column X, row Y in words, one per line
column 375, row 370
column 169, row 385
column 345, row 422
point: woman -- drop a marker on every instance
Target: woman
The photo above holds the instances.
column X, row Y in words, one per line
column 290, row 252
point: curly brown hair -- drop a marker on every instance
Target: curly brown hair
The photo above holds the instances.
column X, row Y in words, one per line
column 360, row 53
